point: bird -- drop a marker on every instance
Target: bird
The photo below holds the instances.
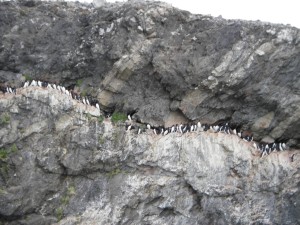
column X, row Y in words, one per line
column 44, row 84
column 129, row 117
column 239, row 134
column 166, row 132
column 148, row 126
column 255, row 145
column 26, row 84
column 180, row 128
column 280, row 147
column 172, row 129
column 87, row 101
column 128, row 127
column 33, row 83
column 97, row 106
column 284, row 146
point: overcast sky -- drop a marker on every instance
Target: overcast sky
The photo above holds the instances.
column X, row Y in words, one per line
column 275, row 11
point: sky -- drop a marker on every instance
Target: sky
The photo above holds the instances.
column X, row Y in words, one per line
column 275, row 11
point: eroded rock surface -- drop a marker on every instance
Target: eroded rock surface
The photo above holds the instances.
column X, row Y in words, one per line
column 156, row 60
column 60, row 164
column 64, row 166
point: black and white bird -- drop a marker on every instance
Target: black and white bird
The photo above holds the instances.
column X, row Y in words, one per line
column 166, row 132
column 87, row 101
column 33, row 83
column 26, row 84
column 173, row 129
column 44, row 84
column 129, row 117
column 97, row 106
column 128, row 127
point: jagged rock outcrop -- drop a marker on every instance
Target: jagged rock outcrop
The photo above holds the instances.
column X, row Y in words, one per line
column 62, row 164
column 160, row 62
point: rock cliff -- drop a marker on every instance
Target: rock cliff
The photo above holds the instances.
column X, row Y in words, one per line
column 60, row 163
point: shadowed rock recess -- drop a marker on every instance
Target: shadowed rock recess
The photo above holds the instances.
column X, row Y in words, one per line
column 61, row 163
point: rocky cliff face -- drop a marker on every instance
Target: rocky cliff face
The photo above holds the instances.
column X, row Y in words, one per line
column 60, row 164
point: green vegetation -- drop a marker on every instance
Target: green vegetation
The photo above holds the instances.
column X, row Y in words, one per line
column 59, row 213
column 65, row 200
column 4, row 168
column 101, row 139
column 5, row 152
column 100, row 119
column 117, row 116
column 2, row 191
column 83, row 93
column 79, row 82
column 70, row 192
column 13, row 148
column 27, row 77
column 114, row 172
column 89, row 116
column 4, row 119
column 22, row 13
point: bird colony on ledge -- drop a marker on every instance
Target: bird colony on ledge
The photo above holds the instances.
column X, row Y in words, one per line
column 264, row 148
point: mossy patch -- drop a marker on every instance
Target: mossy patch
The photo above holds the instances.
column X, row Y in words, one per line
column 2, row 191
column 3, row 154
column 27, row 77
column 83, row 93
column 71, row 190
column 59, row 213
column 100, row 119
column 114, row 172
column 79, row 82
column 118, row 117
column 89, row 116
column 66, row 198
column 13, row 148
column 4, row 119
column 101, row 139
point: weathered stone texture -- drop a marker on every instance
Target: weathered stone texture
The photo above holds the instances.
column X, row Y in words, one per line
column 167, row 65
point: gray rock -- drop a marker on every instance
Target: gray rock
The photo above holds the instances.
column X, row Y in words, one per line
column 241, row 70
column 63, row 166
column 59, row 164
